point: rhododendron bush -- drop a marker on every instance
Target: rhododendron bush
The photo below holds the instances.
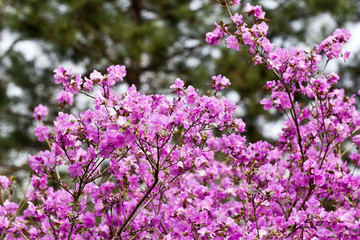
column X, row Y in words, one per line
column 138, row 166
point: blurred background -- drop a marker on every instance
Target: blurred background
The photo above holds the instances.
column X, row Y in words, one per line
column 157, row 41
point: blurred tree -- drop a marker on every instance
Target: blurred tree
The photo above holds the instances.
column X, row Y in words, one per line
column 156, row 40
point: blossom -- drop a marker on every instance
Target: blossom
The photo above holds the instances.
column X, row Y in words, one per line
column 178, row 87
column 65, row 97
column 213, row 38
column 75, row 170
column 42, row 132
column 180, row 167
column 236, row 2
column 116, row 72
column 255, row 11
column 75, row 84
column 88, row 84
column 267, row 172
column 331, row 46
column 95, row 75
column 267, row 103
column 220, row 82
column 4, row 182
column 346, row 56
column 237, row 19
column 62, row 76
column 178, row 84
column 266, row 45
column 232, row 42
column 88, row 219
column 40, row 112
column 10, row 207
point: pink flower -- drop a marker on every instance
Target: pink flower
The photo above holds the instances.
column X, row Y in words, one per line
column 266, row 45
column 178, row 87
column 39, row 182
column 342, row 35
column 267, row 172
column 62, row 76
column 255, row 11
column 246, row 36
column 237, row 19
column 346, row 56
column 65, row 97
column 4, row 182
column 88, row 84
column 95, row 75
column 40, row 112
column 214, row 37
column 88, row 219
column 178, row 84
column 10, row 207
column 42, row 132
column 331, row 46
column 232, row 42
column 76, row 170
column 76, row 84
column 220, row 82
column 267, row 103
column 116, row 72
column 356, row 139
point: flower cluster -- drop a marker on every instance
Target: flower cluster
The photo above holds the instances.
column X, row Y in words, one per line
column 151, row 167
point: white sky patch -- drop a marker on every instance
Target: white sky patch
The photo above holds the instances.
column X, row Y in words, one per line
column 14, row 91
column 233, row 96
column 29, row 48
column 270, row 129
column 271, row 4
column 195, row 5
column 354, row 44
column 6, row 39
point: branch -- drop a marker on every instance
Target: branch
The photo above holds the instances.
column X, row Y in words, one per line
column 138, row 205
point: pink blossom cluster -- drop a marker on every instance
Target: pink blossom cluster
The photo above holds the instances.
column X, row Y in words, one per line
column 64, row 98
column 151, row 167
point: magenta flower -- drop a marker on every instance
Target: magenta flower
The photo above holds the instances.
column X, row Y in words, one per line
column 178, row 84
column 179, row 168
column 62, row 76
column 4, row 182
column 267, row 103
column 95, row 75
column 117, row 73
column 10, row 207
column 214, row 37
column 237, row 19
column 42, row 132
column 65, row 97
column 88, row 219
column 331, row 46
column 178, row 87
column 40, row 112
column 255, row 11
column 219, row 82
column 232, row 42
column 76, row 170
column 88, row 84
column 346, row 56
